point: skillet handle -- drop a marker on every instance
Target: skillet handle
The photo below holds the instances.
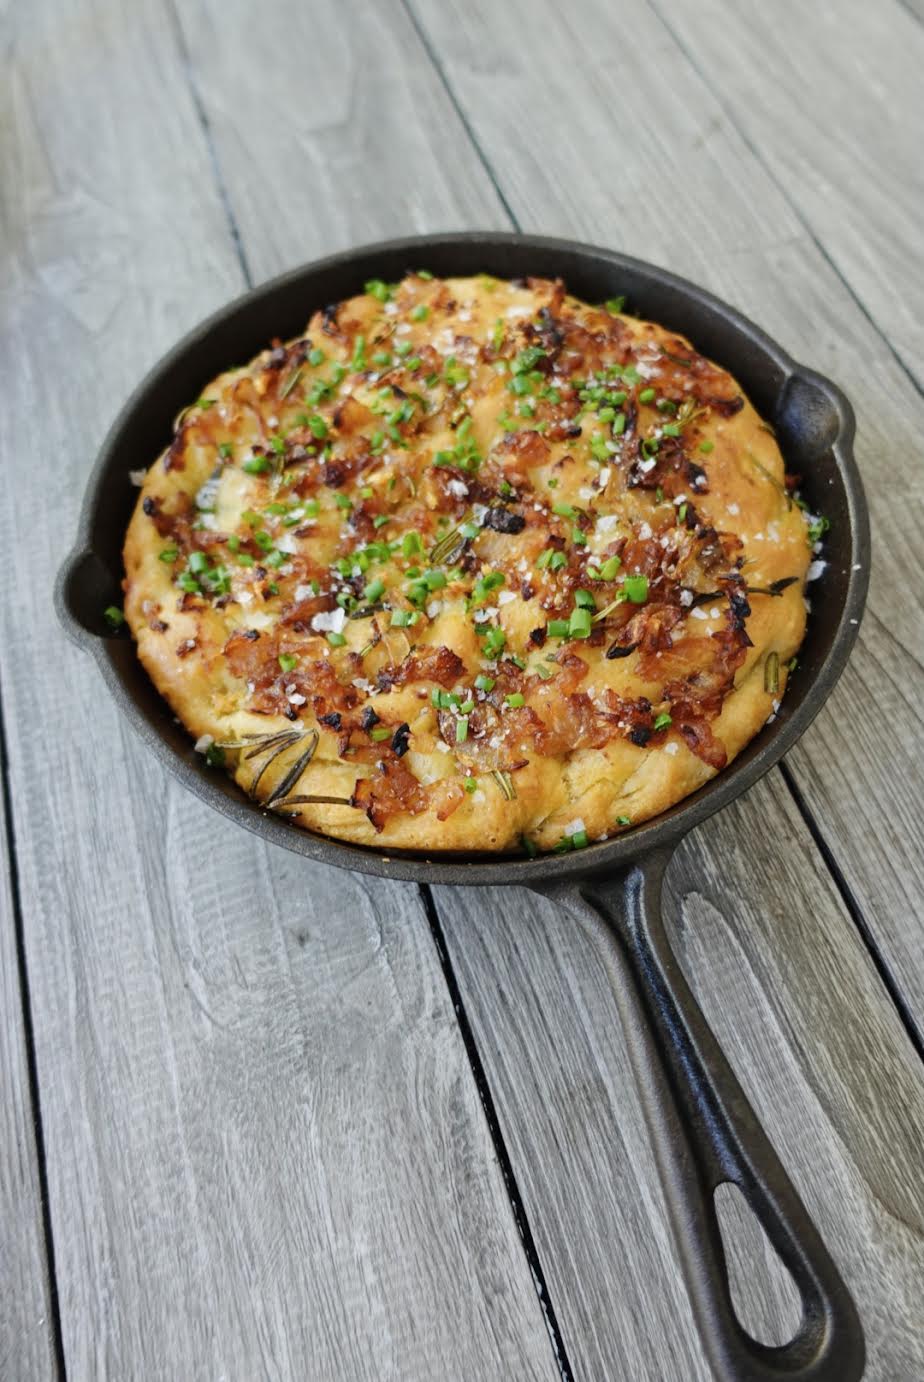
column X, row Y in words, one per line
column 705, row 1133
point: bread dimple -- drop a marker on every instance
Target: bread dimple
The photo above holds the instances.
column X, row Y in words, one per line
column 382, row 567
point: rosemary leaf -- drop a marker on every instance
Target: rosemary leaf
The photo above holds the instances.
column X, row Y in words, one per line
column 283, row 788
column 290, row 383
column 772, row 674
column 505, row 783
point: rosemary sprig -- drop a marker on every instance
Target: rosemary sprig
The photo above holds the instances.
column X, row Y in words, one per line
column 312, row 799
column 505, row 783
column 688, row 412
column 450, row 545
column 772, row 674
column 774, row 588
column 253, row 746
column 290, row 383
column 602, row 614
column 283, row 788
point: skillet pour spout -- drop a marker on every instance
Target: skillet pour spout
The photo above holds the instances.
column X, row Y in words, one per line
column 703, row 1130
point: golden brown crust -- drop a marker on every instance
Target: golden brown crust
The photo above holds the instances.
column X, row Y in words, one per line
column 474, row 561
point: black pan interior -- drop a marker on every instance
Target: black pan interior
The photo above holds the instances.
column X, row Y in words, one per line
column 814, row 425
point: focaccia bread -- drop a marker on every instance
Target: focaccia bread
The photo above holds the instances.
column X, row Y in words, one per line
column 471, row 565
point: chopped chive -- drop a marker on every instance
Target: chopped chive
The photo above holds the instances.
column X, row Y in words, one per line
column 484, row 683
column 609, row 568
column 114, row 616
column 557, row 628
column 646, row 396
column 420, row 312
column 288, row 662
column 494, row 642
column 580, row 623
column 336, row 640
column 585, row 599
column 256, row 465
column 623, row 820
column 636, row 589
column 462, row 729
column 662, row 721
column 377, row 289
column 380, row 733
column 706, row 447
column 515, row 700
column 169, row 554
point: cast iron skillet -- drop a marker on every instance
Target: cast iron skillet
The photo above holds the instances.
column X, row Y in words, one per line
column 703, row 1129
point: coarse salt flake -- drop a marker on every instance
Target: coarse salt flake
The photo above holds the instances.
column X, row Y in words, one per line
column 329, row 620
column 204, row 743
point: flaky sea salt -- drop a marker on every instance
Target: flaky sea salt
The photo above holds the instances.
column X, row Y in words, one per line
column 329, row 620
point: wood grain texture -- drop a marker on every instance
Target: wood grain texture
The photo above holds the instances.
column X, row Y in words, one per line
column 681, row 187
column 215, row 1028
column 26, row 1330
column 838, row 120
column 668, row 178
column 776, row 966
column 266, row 1153
column 375, row 151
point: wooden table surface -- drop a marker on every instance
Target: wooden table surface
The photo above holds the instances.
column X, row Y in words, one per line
column 262, row 1119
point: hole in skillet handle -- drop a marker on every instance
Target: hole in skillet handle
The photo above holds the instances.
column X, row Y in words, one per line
column 764, row 1295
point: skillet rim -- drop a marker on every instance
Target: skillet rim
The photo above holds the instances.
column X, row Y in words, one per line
column 609, row 856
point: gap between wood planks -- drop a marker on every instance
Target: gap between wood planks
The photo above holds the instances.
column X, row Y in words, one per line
column 741, row 131
column 851, row 903
column 476, row 1065
column 25, row 1004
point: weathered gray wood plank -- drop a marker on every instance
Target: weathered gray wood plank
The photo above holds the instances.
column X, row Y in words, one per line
column 710, row 210
column 644, row 158
column 375, row 152
column 26, row 1329
column 266, row 1153
column 837, row 117
column 861, row 768
column 776, row 965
